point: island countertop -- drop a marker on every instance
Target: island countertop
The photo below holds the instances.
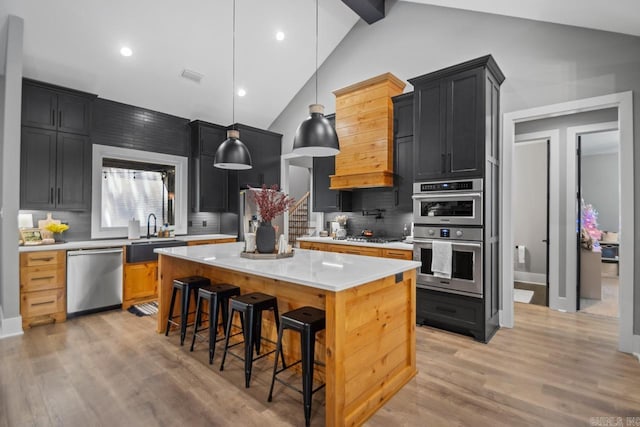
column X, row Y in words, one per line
column 323, row 270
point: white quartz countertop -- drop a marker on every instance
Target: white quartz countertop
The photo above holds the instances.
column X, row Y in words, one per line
column 323, row 270
column 390, row 245
column 111, row 243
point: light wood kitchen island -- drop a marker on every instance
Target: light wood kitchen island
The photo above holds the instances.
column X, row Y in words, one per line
column 369, row 341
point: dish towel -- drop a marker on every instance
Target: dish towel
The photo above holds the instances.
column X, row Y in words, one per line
column 441, row 258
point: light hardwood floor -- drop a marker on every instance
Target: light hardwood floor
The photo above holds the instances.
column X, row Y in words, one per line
column 113, row 369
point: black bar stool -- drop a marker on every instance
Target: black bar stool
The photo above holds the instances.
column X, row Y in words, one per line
column 250, row 307
column 187, row 286
column 217, row 295
column 308, row 321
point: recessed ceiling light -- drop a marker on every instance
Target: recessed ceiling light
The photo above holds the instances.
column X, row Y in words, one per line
column 126, row 51
column 279, row 36
column 242, row 92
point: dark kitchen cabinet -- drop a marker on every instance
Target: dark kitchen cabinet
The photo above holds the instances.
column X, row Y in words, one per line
column 325, row 199
column 51, row 107
column 403, row 151
column 452, row 119
column 55, row 170
column 209, row 185
column 265, row 148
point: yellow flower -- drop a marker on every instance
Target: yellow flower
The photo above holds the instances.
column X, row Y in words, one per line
column 57, row 228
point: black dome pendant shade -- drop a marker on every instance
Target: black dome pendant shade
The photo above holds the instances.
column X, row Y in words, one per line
column 232, row 153
column 315, row 136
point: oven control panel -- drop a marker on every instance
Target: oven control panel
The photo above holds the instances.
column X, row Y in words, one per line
column 447, row 186
column 448, row 233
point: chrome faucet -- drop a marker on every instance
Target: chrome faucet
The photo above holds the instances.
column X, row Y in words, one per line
column 155, row 220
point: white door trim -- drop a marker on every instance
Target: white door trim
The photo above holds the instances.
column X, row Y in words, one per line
column 572, row 237
column 624, row 103
column 553, row 136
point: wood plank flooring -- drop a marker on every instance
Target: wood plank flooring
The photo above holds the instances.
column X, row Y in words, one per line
column 113, row 369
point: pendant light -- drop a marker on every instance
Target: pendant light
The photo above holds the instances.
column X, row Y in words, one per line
column 232, row 153
column 315, row 136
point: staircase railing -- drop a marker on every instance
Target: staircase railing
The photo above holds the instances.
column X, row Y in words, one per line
column 299, row 218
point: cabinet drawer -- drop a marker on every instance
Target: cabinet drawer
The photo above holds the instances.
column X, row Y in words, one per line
column 356, row 250
column 42, row 278
column 451, row 309
column 34, row 259
column 210, row 241
column 41, row 303
column 397, row 254
column 313, row 246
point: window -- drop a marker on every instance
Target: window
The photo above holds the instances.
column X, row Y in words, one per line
column 133, row 184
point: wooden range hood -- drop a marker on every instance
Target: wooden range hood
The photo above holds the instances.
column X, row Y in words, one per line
column 364, row 124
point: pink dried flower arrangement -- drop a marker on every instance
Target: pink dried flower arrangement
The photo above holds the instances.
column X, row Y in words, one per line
column 271, row 202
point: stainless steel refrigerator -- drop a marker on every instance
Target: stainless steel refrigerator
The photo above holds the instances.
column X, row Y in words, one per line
column 248, row 216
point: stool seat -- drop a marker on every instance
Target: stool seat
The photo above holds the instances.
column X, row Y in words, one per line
column 187, row 286
column 250, row 307
column 217, row 295
column 307, row 321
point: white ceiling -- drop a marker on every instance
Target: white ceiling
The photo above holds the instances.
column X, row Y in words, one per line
column 75, row 43
column 620, row 16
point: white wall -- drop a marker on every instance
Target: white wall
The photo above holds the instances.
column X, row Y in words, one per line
column 10, row 195
column 600, row 188
column 543, row 63
column 530, row 205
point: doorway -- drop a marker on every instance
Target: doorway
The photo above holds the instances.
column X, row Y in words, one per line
column 623, row 103
column 531, row 221
column 598, row 190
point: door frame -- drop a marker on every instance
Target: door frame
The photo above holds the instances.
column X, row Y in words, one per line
column 623, row 101
column 572, row 237
column 553, row 136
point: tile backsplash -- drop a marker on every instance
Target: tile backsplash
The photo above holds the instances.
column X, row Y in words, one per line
column 80, row 223
column 390, row 225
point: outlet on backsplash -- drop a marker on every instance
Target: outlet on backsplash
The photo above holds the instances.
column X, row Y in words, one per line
column 204, row 223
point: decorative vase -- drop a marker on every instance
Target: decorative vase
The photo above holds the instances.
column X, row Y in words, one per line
column 57, row 237
column 266, row 238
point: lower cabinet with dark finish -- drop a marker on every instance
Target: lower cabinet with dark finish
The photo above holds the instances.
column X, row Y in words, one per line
column 452, row 312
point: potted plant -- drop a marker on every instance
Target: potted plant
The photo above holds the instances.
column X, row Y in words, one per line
column 57, row 230
column 271, row 203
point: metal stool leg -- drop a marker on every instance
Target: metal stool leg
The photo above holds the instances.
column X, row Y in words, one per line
column 213, row 326
column 275, row 362
column 171, row 304
column 197, row 322
column 184, row 315
column 308, row 347
column 226, row 338
column 277, row 320
column 248, row 347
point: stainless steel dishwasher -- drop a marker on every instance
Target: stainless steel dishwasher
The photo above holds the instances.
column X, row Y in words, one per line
column 94, row 280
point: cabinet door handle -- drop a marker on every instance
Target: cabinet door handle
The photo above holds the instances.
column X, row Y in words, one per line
column 49, row 258
column 43, row 303
column 60, row 119
column 449, row 161
column 53, row 117
column 43, row 278
column 397, row 197
column 445, row 309
column 59, row 195
column 51, row 195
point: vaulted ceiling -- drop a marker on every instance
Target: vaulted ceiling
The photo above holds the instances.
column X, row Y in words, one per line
column 76, row 43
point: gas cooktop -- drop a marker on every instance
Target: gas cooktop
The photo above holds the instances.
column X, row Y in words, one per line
column 365, row 239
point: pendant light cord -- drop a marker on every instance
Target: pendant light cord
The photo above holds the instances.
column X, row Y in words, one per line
column 316, row 51
column 233, row 70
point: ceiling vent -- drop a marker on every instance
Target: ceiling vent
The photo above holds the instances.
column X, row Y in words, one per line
column 192, row 75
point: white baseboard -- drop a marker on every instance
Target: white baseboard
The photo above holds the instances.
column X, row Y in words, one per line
column 528, row 277
column 10, row 327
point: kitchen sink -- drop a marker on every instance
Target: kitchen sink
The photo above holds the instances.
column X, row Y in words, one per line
column 143, row 251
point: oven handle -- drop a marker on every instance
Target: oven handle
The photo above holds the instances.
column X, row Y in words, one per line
column 453, row 242
column 439, row 196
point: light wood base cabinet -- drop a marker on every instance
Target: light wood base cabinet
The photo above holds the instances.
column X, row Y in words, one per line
column 140, row 283
column 358, row 250
column 43, row 297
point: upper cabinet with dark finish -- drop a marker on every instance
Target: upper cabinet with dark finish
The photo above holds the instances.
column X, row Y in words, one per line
column 451, row 115
column 209, row 185
column 50, row 107
column 55, row 169
column 325, row 199
column 265, row 148
column 403, row 150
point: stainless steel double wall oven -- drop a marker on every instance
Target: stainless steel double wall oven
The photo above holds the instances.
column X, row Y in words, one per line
column 451, row 211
